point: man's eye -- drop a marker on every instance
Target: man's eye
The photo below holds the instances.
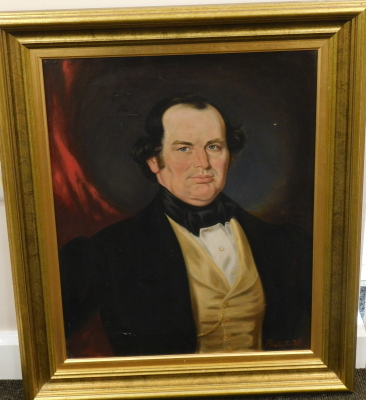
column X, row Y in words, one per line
column 183, row 149
column 213, row 147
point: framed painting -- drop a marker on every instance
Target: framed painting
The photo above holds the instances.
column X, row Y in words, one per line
column 183, row 188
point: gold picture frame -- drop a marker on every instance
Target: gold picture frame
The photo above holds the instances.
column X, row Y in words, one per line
column 336, row 32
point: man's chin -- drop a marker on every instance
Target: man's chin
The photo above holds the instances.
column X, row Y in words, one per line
column 201, row 197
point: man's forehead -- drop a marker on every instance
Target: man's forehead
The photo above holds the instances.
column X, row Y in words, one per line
column 182, row 116
column 182, row 108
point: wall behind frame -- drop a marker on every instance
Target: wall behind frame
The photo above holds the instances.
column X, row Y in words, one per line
column 9, row 350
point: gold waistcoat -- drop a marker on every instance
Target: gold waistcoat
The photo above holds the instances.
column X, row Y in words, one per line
column 228, row 318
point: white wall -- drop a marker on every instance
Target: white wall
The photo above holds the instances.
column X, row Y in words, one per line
column 363, row 250
column 9, row 348
column 9, row 352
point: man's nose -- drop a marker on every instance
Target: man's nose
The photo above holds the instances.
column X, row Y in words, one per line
column 201, row 159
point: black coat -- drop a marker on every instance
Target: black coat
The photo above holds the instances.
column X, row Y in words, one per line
column 133, row 273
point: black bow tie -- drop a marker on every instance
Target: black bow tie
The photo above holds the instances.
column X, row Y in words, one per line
column 193, row 218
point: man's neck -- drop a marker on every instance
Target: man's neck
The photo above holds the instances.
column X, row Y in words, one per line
column 194, row 218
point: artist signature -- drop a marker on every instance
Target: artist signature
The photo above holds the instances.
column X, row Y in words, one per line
column 282, row 344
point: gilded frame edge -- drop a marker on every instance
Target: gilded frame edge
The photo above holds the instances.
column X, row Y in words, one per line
column 344, row 28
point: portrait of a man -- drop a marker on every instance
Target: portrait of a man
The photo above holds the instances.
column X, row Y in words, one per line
column 193, row 272
column 192, row 268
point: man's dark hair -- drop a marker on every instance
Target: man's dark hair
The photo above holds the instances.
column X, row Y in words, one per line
column 152, row 144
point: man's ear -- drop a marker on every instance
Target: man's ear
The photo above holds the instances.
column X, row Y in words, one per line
column 153, row 165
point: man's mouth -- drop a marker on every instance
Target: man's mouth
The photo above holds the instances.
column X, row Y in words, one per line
column 200, row 178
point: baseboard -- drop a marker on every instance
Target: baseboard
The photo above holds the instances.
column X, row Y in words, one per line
column 10, row 358
column 9, row 355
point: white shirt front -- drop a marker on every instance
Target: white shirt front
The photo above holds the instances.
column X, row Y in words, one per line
column 219, row 242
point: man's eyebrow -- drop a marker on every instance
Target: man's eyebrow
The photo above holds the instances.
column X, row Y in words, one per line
column 182, row 142
column 217, row 140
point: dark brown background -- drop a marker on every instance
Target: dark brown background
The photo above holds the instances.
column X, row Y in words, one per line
column 97, row 108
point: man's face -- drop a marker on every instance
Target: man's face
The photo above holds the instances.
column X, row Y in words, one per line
column 195, row 154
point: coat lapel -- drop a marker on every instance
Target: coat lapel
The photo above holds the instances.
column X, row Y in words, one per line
column 161, row 275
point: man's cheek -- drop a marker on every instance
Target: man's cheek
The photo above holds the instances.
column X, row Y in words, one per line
column 180, row 168
column 222, row 166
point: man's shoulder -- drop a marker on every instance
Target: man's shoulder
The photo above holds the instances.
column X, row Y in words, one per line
column 103, row 235
column 150, row 217
column 251, row 222
column 123, row 232
column 261, row 231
